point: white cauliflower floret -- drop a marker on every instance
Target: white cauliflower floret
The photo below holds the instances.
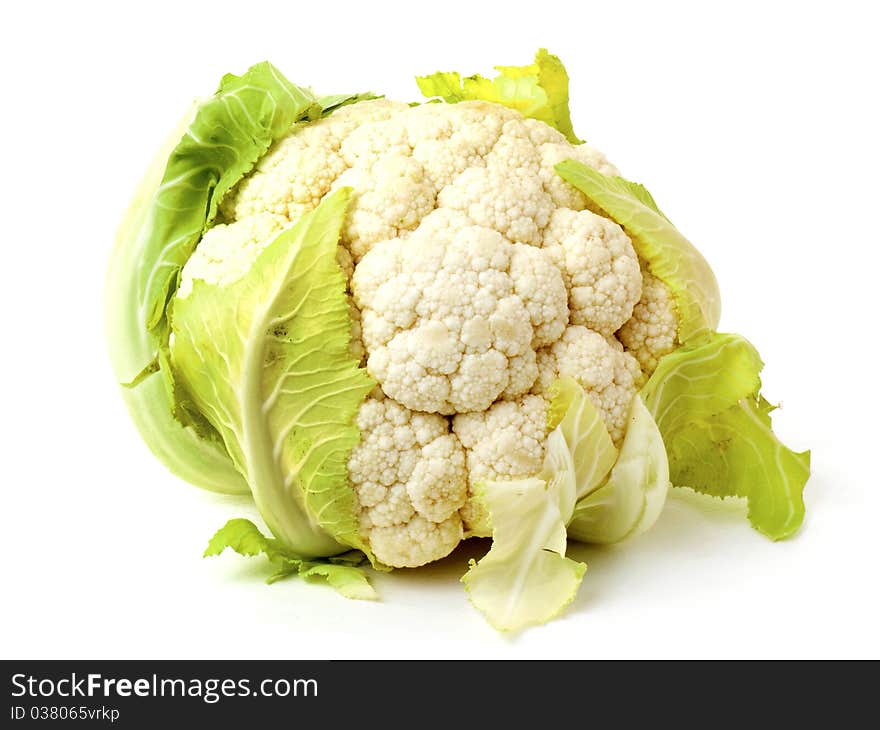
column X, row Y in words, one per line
column 563, row 194
column 409, row 478
column 451, row 320
column 599, row 266
column 293, row 176
column 441, row 223
column 227, row 251
column 417, row 542
column 515, row 149
column 389, row 199
column 652, row 332
column 345, row 120
column 537, row 284
column 541, row 133
column 505, row 193
column 449, row 139
column 289, row 181
column 506, row 200
column 375, row 140
column 609, row 375
column 504, row 442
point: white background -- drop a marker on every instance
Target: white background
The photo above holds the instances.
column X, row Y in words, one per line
column 754, row 126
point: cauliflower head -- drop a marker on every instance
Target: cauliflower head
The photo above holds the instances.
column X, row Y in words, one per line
column 397, row 326
column 477, row 277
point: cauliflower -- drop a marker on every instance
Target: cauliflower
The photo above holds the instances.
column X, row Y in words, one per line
column 397, row 326
column 477, row 277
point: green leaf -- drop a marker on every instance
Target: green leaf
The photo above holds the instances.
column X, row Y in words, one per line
column 133, row 350
column 670, row 256
column 581, row 425
column 538, row 91
column 266, row 360
column 229, row 133
column 330, row 104
column 445, row 85
column 705, row 398
column 350, row 582
column 245, row 538
column 212, row 148
column 631, row 499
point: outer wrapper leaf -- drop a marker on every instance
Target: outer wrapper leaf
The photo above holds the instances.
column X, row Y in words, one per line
column 245, row 538
column 592, row 450
column 266, row 360
column 230, row 132
column 538, row 91
column 198, row 457
column 705, row 398
column 670, row 256
column 525, row 577
column 631, row 499
column 216, row 145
